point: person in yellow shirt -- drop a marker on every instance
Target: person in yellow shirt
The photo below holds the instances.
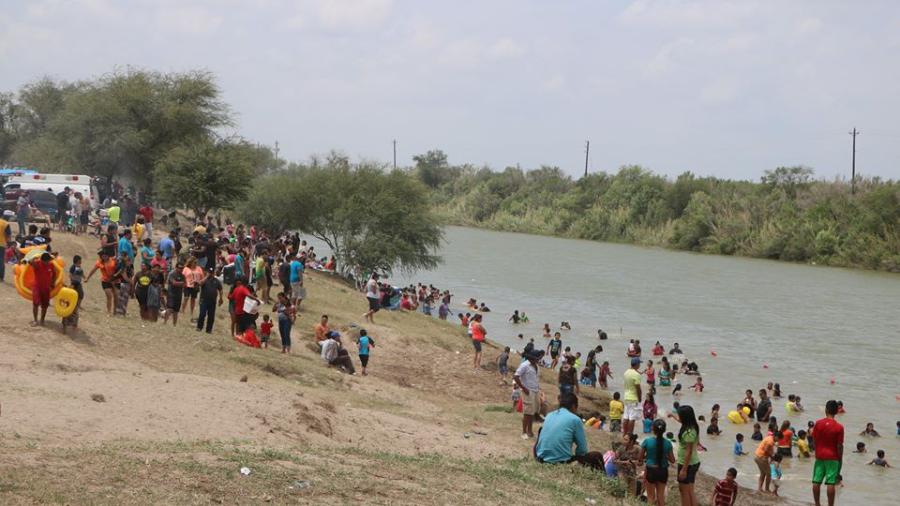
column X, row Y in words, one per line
column 616, row 408
column 137, row 230
column 802, row 444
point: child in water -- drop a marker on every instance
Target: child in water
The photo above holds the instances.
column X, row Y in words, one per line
column 776, row 473
column 757, row 432
column 713, row 428
column 879, row 460
column 739, row 445
column 605, row 373
column 802, row 444
column 698, row 386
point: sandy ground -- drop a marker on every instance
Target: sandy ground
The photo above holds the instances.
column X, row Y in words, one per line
column 134, row 392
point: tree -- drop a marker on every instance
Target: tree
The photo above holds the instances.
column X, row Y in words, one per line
column 432, row 168
column 371, row 220
column 120, row 125
column 205, row 175
column 790, row 179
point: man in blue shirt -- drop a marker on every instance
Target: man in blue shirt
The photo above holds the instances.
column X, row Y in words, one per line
column 125, row 246
column 296, row 278
column 167, row 246
column 562, row 428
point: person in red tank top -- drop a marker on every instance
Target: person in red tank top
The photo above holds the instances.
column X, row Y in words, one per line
column 44, row 274
column 478, row 333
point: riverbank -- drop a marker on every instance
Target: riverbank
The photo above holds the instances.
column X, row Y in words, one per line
column 125, row 413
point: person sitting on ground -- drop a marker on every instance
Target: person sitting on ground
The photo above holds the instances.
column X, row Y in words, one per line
column 321, row 329
column 335, row 355
column 870, row 431
column 562, row 430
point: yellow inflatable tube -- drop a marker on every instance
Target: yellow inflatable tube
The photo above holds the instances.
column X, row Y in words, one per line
column 66, row 302
column 23, row 276
column 735, row 417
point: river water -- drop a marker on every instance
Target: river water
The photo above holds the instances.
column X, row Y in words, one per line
column 808, row 324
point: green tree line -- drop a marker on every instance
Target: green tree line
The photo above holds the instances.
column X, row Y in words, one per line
column 787, row 215
column 149, row 130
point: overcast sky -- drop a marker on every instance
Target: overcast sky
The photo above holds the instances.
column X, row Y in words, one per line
column 716, row 87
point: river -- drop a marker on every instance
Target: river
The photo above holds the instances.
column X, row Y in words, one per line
column 808, row 324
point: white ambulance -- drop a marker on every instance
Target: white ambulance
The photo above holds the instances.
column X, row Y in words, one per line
column 55, row 183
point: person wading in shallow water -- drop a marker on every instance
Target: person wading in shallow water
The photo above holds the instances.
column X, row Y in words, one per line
column 829, row 453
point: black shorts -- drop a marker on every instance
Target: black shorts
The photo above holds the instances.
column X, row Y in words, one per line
column 477, row 345
column 244, row 322
column 657, row 474
column 364, row 360
column 691, row 474
column 785, row 451
column 85, row 218
column 554, row 354
column 106, row 285
column 174, row 302
column 374, row 305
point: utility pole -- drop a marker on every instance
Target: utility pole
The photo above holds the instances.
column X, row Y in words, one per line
column 587, row 153
column 395, row 154
column 854, row 133
column 276, row 153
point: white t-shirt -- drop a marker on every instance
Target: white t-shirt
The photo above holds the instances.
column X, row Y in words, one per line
column 372, row 289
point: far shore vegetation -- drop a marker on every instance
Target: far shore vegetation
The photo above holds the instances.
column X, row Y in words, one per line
column 157, row 132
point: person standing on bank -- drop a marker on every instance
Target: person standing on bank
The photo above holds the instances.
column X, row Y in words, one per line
column 526, row 377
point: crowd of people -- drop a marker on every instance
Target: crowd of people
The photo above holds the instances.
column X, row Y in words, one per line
column 190, row 274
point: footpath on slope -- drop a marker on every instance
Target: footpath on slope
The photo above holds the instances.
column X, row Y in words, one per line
column 128, row 412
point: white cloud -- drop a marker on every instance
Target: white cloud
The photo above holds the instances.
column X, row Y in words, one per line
column 186, row 19
column 720, row 91
column 505, row 48
column 554, row 82
column 666, row 58
column 693, row 14
column 352, row 14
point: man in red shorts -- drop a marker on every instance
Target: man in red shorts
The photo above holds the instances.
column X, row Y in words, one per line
column 829, row 436
column 44, row 274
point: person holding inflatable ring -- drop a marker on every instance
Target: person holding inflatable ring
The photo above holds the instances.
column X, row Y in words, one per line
column 44, row 274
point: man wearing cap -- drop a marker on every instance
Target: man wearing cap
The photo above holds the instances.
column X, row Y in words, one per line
column 526, row 377
column 335, row 354
column 632, row 397
column 114, row 212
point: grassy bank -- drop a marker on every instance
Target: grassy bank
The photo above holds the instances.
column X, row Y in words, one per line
column 125, row 413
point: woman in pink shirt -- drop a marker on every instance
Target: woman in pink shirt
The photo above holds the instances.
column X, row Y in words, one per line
column 193, row 275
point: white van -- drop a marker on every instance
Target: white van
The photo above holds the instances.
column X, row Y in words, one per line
column 56, row 183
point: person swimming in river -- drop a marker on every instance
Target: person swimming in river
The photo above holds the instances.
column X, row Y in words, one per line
column 601, row 335
column 546, row 330
column 658, row 349
column 634, row 348
column 665, row 373
column 524, row 317
column 515, row 318
column 565, row 326
column 675, row 350
column 483, row 308
column 472, row 304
